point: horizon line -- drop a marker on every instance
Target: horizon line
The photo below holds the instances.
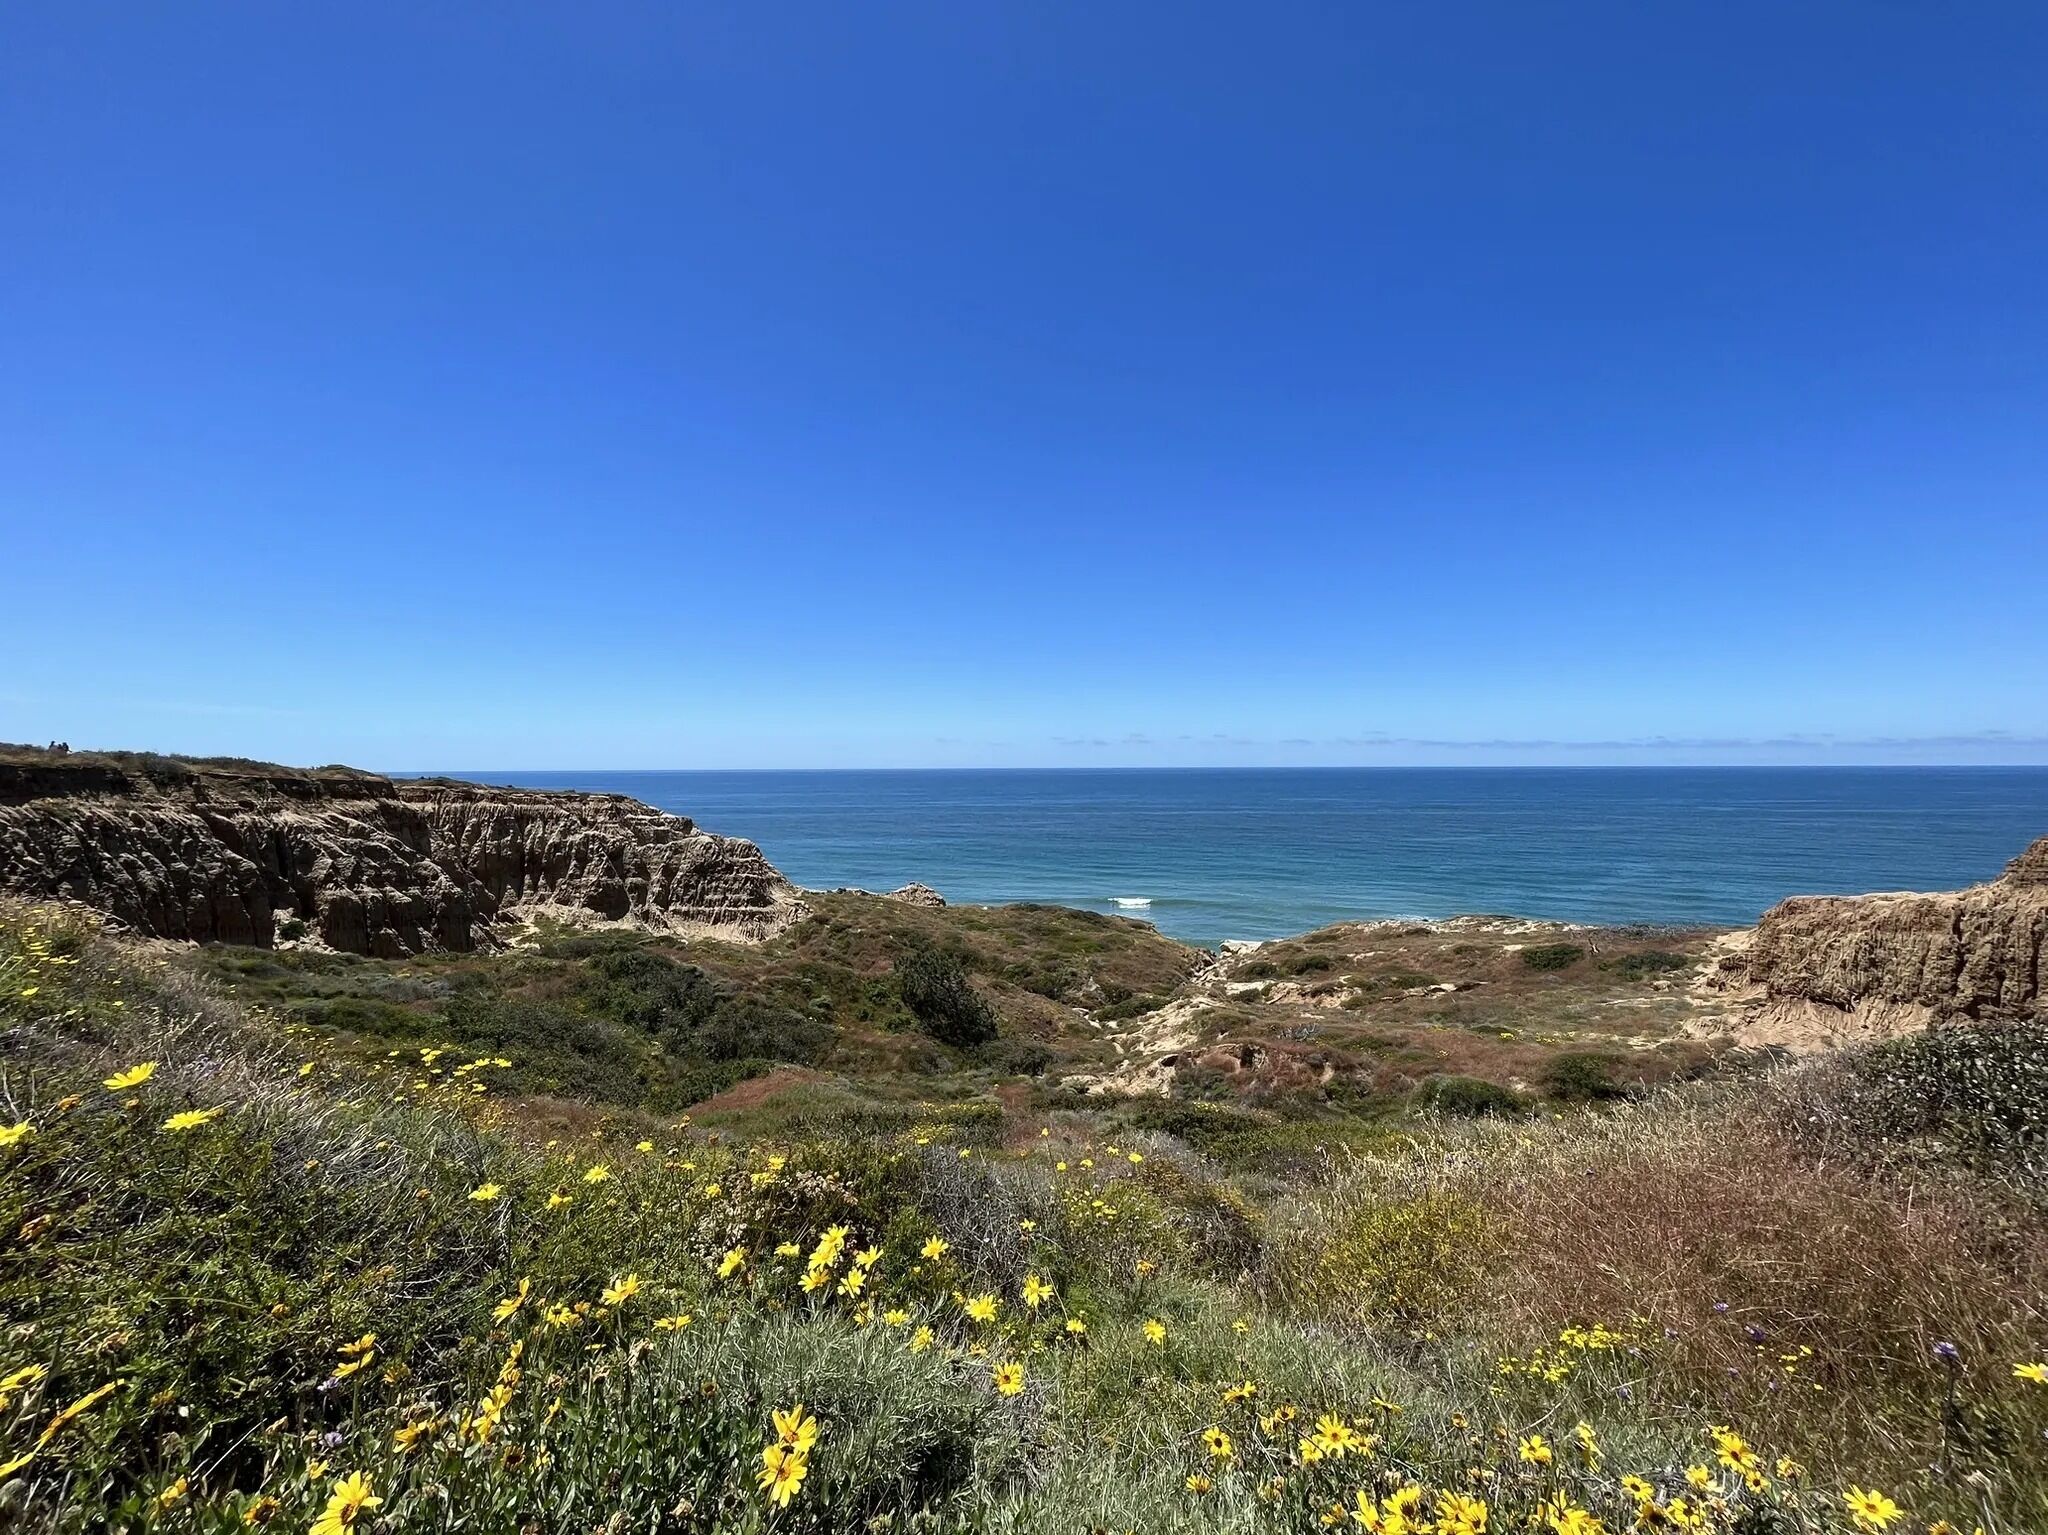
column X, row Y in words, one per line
column 1274, row 767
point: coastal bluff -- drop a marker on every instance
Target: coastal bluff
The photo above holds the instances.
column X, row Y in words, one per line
column 222, row 850
column 1830, row 969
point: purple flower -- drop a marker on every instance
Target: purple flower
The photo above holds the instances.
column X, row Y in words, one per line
column 1947, row 1353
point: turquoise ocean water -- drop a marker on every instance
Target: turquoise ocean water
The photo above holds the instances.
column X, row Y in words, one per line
column 1257, row 853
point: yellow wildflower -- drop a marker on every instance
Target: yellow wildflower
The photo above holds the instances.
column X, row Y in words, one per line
column 349, row 1500
column 509, row 1306
column 1335, row 1437
column 782, row 1473
column 1870, row 1510
column 795, row 1429
column 134, row 1076
column 190, row 1119
column 408, row 1437
column 1008, row 1377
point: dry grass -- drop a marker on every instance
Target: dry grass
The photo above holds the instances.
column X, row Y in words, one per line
column 1802, row 1294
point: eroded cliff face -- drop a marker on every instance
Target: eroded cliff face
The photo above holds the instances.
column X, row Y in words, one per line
column 1830, row 969
column 228, row 853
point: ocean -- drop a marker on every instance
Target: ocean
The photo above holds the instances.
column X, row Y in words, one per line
column 1260, row 853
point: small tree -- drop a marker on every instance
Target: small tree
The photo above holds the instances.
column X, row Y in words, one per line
column 934, row 985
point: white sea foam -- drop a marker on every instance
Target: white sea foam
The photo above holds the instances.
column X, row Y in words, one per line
column 1130, row 900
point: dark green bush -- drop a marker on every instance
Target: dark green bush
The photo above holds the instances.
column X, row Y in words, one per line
column 1202, row 1125
column 1552, row 956
column 1129, row 1006
column 366, row 1016
column 1468, row 1098
column 690, row 1014
column 935, row 988
column 693, row 1084
column 553, row 1050
column 1581, row 1076
column 1053, row 979
column 1016, row 1057
column 1650, row 962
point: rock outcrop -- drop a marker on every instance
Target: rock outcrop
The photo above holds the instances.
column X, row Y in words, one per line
column 242, row 852
column 1830, row 969
column 916, row 894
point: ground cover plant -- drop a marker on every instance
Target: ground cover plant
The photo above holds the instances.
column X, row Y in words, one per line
column 267, row 1269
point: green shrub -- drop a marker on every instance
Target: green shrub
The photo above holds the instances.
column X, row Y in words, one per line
column 1056, row 980
column 1646, row 964
column 1130, row 1005
column 1581, row 1076
column 693, row 1084
column 1468, row 1098
column 1016, row 1057
column 1202, row 1125
column 1976, row 1095
column 934, row 985
column 977, row 1122
column 688, row 1013
column 1552, row 956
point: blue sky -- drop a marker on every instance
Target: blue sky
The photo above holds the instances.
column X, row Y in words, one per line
column 669, row 385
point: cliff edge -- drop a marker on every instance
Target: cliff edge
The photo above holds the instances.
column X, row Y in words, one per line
column 229, row 851
column 1832, row 969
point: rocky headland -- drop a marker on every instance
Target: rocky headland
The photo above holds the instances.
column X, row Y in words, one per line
column 239, row 852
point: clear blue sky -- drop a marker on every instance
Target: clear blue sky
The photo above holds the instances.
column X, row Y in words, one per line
column 667, row 385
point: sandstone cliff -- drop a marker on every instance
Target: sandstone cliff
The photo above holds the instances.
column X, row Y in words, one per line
column 232, row 851
column 1829, row 969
